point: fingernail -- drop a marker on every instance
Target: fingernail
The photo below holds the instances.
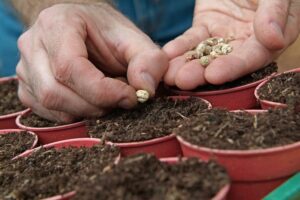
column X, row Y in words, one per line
column 126, row 103
column 150, row 83
column 277, row 28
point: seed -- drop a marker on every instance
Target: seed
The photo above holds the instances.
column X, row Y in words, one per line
column 204, row 61
column 191, row 55
column 226, row 49
column 142, row 96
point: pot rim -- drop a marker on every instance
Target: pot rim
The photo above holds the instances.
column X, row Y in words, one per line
column 253, row 152
column 7, row 131
column 218, row 92
column 14, row 114
column 46, row 129
column 269, row 102
column 146, row 142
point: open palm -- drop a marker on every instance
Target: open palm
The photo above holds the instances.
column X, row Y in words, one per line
column 261, row 31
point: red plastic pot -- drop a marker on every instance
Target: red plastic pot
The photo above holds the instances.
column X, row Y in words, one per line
column 241, row 97
column 166, row 146
column 78, row 142
column 266, row 104
column 221, row 195
column 8, row 121
column 53, row 134
column 8, row 131
column 254, row 172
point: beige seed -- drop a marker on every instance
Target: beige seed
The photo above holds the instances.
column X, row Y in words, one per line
column 204, row 61
column 142, row 96
column 191, row 55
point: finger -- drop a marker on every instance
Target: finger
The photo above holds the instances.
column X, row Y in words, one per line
column 190, row 75
column 190, row 39
column 146, row 69
column 29, row 100
column 247, row 56
column 71, row 67
column 51, row 94
column 293, row 24
column 174, row 66
column 272, row 16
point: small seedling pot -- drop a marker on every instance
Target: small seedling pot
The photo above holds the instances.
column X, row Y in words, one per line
column 241, row 97
column 254, row 173
column 166, row 146
column 78, row 142
column 8, row 121
column 266, row 104
column 53, row 134
column 8, row 131
column 221, row 195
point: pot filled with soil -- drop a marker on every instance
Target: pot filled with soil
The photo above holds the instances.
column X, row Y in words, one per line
column 148, row 127
column 52, row 171
column 10, row 105
column 13, row 142
column 280, row 91
column 143, row 176
column 238, row 94
column 259, row 149
column 49, row 131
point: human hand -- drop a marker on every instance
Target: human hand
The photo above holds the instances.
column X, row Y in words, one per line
column 62, row 55
column 262, row 30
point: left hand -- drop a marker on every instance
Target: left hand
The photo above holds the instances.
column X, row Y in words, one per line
column 262, row 30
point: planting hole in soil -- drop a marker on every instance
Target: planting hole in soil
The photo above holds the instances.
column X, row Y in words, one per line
column 33, row 120
column 253, row 77
column 14, row 143
column 284, row 88
column 142, row 176
column 48, row 171
column 9, row 102
column 153, row 119
column 220, row 129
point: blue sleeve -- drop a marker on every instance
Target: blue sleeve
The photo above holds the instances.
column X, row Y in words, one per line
column 10, row 30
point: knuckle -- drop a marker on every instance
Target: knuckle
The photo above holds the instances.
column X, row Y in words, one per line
column 62, row 71
column 23, row 42
column 48, row 97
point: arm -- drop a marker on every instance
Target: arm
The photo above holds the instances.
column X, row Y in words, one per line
column 29, row 9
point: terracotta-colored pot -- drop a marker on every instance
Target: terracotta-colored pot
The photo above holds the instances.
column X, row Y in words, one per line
column 53, row 134
column 78, row 142
column 166, row 146
column 241, row 97
column 254, row 172
column 221, row 195
column 8, row 131
column 8, row 121
column 266, row 104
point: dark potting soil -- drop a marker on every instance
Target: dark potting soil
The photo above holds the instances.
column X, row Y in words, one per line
column 250, row 78
column 9, row 102
column 144, row 177
column 13, row 144
column 49, row 172
column 150, row 120
column 220, row 129
column 33, row 120
column 284, row 88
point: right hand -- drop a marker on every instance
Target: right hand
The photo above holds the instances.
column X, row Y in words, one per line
column 62, row 55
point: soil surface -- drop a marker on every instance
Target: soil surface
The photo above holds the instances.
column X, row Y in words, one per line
column 49, row 172
column 13, row 144
column 220, row 129
column 150, row 120
column 33, row 120
column 255, row 76
column 284, row 89
column 144, row 177
column 9, row 102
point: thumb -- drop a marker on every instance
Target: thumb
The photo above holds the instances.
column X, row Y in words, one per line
column 270, row 22
column 147, row 66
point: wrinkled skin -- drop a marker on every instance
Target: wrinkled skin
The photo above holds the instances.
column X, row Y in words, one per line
column 262, row 30
column 68, row 53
